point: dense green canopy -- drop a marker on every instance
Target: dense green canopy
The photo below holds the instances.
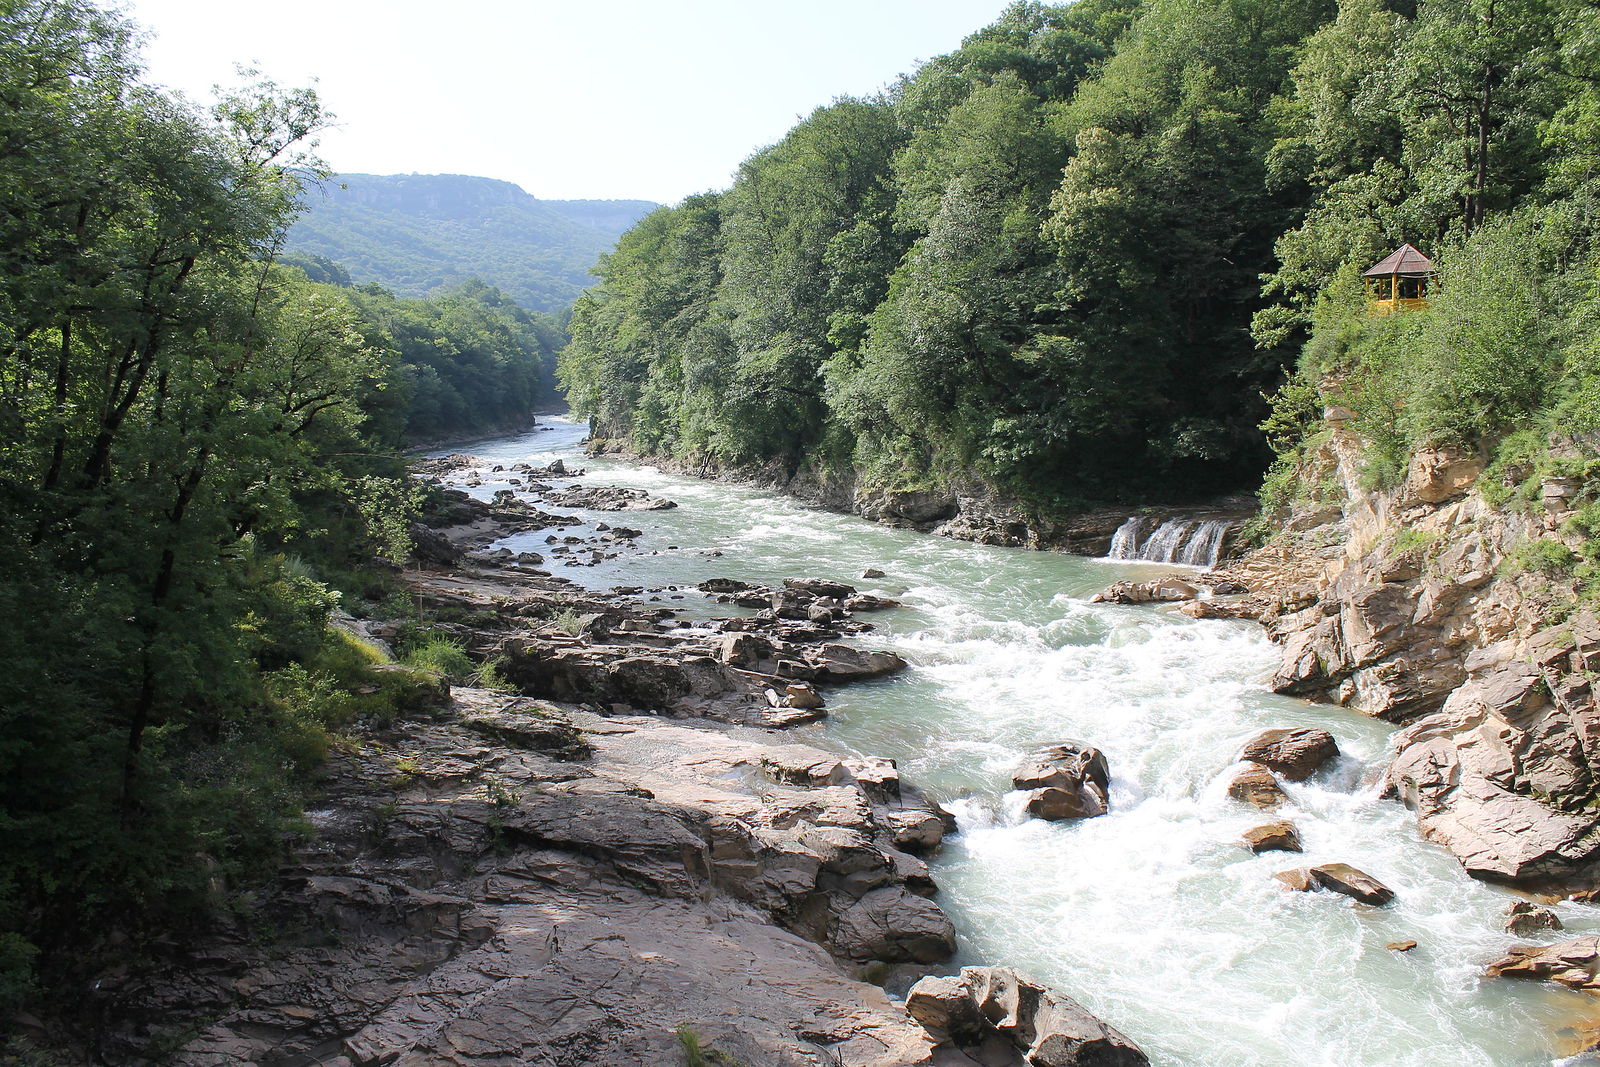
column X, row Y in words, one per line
column 197, row 452
column 1040, row 258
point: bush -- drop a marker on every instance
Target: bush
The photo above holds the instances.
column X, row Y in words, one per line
column 445, row 656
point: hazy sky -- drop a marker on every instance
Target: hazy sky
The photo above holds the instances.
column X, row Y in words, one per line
column 649, row 99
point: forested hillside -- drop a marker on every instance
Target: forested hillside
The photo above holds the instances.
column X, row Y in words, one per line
column 418, row 234
column 1072, row 255
column 198, row 455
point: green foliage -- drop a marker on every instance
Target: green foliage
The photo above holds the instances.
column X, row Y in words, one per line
column 1543, row 556
column 445, row 657
column 1027, row 262
column 698, row 1055
column 1411, row 538
column 194, row 442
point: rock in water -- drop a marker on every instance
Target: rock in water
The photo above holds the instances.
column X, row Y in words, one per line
column 1272, row 837
column 1525, row 918
column 1067, row 781
column 1339, row 878
column 1343, row 878
column 1296, row 754
column 1571, row 963
column 1048, row 1028
column 1255, row 785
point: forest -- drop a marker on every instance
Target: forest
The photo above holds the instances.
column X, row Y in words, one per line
column 199, row 461
column 1087, row 255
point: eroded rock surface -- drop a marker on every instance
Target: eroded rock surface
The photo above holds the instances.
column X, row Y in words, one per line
column 1037, row 1025
column 1296, row 754
column 465, row 900
column 1066, row 781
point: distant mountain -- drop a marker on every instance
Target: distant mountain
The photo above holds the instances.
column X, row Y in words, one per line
column 417, row 233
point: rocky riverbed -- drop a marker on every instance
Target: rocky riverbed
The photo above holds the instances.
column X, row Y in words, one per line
column 627, row 851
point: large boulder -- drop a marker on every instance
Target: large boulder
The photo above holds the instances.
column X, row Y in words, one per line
column 1162, row 590
column 1296, row 754
column 1338, row 878
column 1524, row 918
column 1048, row 1028
column 843, row 663
column 1066, row 781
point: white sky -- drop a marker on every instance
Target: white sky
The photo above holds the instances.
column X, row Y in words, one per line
column 616, row 99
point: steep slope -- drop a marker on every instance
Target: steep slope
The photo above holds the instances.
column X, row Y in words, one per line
column 417, row 233
column 1426, row 604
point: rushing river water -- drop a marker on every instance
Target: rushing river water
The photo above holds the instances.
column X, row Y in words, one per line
column 1152, row 916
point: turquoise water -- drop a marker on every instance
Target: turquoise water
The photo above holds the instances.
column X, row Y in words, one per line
column 1152, row 916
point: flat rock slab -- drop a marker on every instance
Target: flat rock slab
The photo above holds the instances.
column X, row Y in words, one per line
column 1573, row 963
column 1296, row 754
column 1338, row 878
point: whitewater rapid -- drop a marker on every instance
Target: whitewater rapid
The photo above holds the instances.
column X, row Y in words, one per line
column 1153, row 916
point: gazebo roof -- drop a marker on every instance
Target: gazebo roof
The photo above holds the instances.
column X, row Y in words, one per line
column 1406, row 261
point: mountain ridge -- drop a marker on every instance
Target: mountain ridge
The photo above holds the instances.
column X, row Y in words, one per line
column 417, row 234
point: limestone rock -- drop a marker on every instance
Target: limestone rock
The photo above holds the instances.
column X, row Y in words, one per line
column 1048, row 1028
column 1525, row 918
column 1573, row 963
column 1296, row 754
column 1066, row 781
column 1272, row 837
column 1255, row 785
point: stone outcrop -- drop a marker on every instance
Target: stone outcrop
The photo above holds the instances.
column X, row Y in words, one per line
column 1037, row 1025
column 523, row 882
column 1296, row 754
column 1411, row 604
column 1066, row 781
column 1574, row 964
column 1502, row 775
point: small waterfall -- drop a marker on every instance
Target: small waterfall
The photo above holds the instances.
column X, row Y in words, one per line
column 1205, row 547
column 1185, row 541
column 1125, row 542
column 1164, row 544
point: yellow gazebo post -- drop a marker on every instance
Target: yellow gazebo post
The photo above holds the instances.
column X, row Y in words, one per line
column 1399, row 283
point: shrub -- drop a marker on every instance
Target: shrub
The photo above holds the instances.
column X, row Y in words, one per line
column 445, row 656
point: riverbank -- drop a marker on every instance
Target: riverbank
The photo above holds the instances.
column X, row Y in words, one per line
column 965, row 511
column 627, row 848
column 1152, row 915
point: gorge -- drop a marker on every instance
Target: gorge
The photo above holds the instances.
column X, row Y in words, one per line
column 1154, row 916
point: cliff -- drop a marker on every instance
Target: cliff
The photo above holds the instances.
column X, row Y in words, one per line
column 1430, row 604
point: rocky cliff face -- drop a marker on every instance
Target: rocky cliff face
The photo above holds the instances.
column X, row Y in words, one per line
column 1412, row 605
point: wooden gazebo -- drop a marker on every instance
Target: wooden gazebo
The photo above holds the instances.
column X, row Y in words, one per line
column 1400, row 282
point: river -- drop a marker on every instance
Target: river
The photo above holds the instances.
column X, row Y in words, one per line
column 1153, row 916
